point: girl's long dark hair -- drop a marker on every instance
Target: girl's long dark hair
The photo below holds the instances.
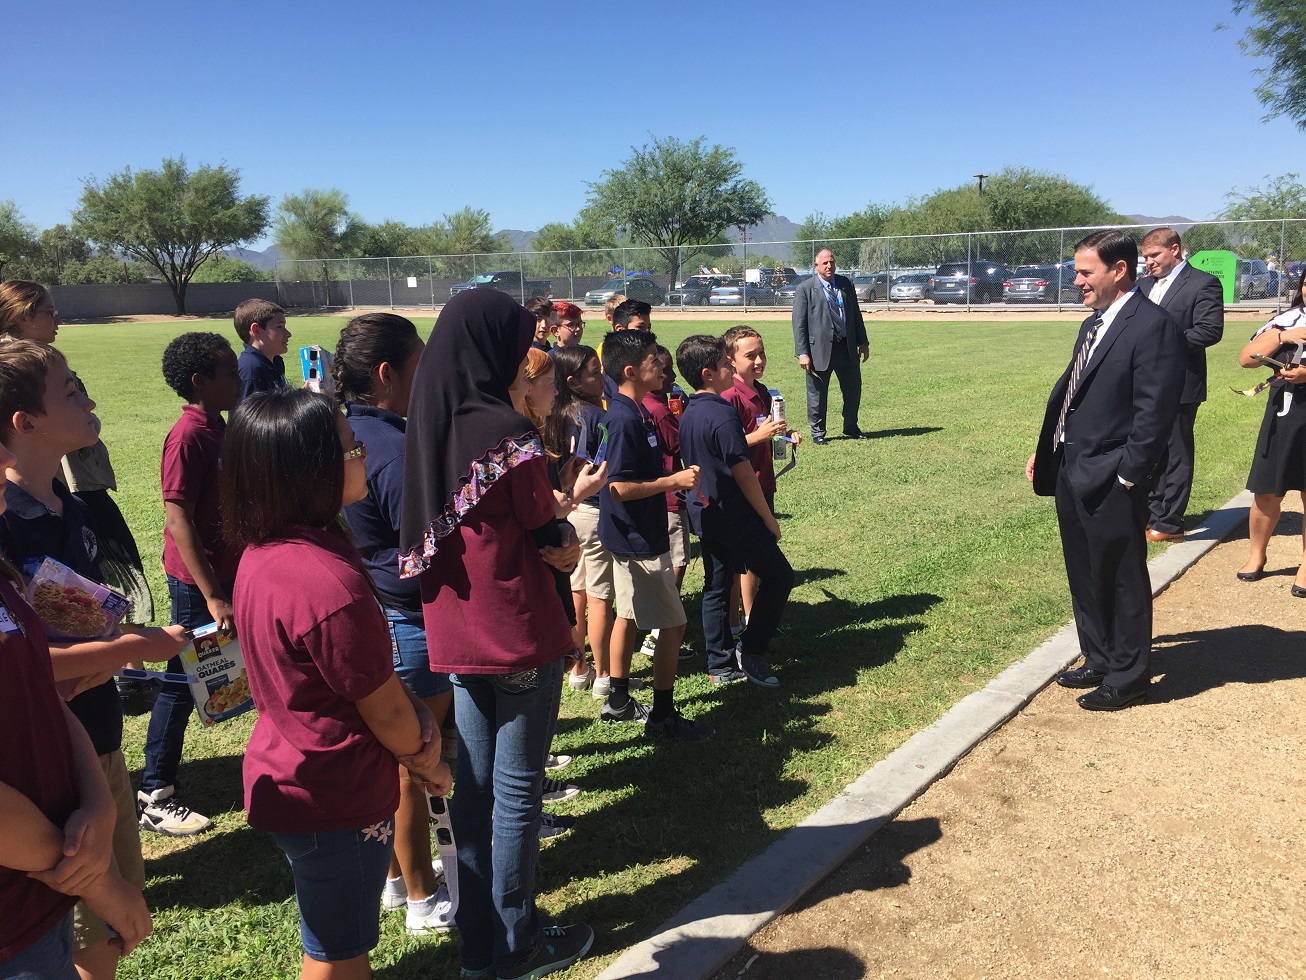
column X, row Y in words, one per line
column 1296, row 291
column 282, row 465
column 367, row 342
column 567, row 363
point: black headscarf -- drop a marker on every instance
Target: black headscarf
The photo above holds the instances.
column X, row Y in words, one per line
column 462, row 431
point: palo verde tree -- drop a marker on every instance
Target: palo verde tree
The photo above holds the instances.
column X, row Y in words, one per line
column 672, row 194
column 172, row 219
column 1278, row 32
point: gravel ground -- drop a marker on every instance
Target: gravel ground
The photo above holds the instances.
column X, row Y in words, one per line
column 1161, row 841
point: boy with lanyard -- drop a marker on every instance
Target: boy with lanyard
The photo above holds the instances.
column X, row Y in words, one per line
column 731, row 517
column 261, row 325
column 633, row 527
column 44, row 415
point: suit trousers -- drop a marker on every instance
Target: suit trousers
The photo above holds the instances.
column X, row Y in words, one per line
column 1169, row 500
column 1106, row 564
column 844, row 366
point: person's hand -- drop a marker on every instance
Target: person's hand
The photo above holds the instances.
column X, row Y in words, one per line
column 436, row 780
column 1029, row 468
column 805, row 362
column 772, row 428
column 1293, row 334
column 220, row 610
column 686, row 479
column 83, row 684
column 795, row 437
column 87, row 847
column 865, row 351
column 772, row 526
column 565, row 556
column 589, row 480
column 1293, row 375
column 122, row 906
column 426, row 762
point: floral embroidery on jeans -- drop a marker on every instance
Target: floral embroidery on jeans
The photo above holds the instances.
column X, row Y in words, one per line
column 382, row 831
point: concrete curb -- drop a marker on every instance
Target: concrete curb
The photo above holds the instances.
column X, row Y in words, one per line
column 698, row 939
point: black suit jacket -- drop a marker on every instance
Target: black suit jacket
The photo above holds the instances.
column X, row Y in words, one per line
column 1124, row 408
column 1196, row 301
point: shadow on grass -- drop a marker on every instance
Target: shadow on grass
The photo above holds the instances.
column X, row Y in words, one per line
column 915, row 430
column 1202, row 660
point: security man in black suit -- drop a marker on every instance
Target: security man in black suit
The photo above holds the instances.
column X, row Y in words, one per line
column 1196, row 301
column 1104, row 431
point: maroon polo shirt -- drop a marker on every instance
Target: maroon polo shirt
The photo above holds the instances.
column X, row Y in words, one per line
column 750, row 401
column 192, row 459
column 668, row 430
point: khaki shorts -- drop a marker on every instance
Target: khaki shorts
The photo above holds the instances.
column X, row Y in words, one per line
column 678, row 529
column 593, row 573
column 647, row 593
column 126, row 860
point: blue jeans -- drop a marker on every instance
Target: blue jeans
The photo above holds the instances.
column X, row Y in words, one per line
column 503, row 737
column 49, row 958
column 339, row 877
column 172, row 708
column 411, row 660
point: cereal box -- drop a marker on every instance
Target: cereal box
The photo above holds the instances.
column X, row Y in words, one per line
column 73, row 607
column 221, row 688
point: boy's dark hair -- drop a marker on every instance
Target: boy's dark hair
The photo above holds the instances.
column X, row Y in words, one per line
column 281, row 465
column 367, row 342
column 1113, row 246
column 191, row 353
column 734, row 335
column 627, row 311
column 625, row 348
column 567, row 363
column 697, row 353
column 540, row 306
column 24, row 367
column 254, row 311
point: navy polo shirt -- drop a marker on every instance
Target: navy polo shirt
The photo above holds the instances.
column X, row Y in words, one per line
column 634, row 528
column 257, row 373
column 712, row 438
column 29, row 529
column 374, row 520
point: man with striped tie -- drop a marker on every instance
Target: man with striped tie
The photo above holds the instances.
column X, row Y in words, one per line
column 1104, row 433
column 829, row 336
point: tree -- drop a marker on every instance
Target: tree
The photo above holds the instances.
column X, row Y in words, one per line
column 172, row 219
column 589, row 243
column 1278, row 32
column 673, row 194
column 104, row 268
column 318, row 224
column 17, row 236
column 223, row 268
column 1264, row 208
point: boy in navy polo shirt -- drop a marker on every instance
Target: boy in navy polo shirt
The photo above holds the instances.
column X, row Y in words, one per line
column 731, row 517
column 262, row 326
column 633, row 527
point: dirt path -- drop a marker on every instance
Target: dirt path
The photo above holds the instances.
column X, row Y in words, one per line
column 1164, row 841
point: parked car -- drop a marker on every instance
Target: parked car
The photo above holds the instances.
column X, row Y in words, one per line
column 742, row 294
column 506, row 281
column 784, row 296
column 1041, row 284
column 911, row 287
column 979, row 282
column 1256, row 280
column 636, row 287
column 871, row 286
column 695, row 290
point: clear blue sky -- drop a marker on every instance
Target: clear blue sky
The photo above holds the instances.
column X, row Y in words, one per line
column 416, row 109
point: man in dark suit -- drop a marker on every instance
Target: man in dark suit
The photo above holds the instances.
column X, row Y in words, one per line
column 1105, row 428
column 1195, row 299
column 828, row 336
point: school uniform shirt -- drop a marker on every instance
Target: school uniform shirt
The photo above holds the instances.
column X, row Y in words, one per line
column 30, row 530
column 315, row 642
column 584, row 433
column 667, row 427
column 374, row 520
column 489, row 601
column 37, row 761
column 750, row 401
column 712, row 438
column 632, row 528
column 258, row 372
column 188, row 471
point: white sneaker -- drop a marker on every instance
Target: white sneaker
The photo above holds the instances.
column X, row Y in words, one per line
column 430, row 915
column 161, row 812
column 395, row 895
column 578, row 682
column 557, row 762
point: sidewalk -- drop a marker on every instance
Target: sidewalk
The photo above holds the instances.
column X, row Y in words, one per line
column 1162, row 841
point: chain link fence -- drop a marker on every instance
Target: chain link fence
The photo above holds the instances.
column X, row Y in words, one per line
column 971, row 268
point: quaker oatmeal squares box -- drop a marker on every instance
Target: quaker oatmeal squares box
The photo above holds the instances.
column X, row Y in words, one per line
column 221, row 687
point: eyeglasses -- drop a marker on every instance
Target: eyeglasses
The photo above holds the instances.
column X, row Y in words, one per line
column 46, row 309
column 358, row 452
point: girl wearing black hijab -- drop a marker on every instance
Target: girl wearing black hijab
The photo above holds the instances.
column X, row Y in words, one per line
column 477, row 508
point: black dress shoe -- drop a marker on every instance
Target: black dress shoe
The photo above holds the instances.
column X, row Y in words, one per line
column 1083, row 677
column 857, row 434
column 820, row 440
column 1298, row 592
column 1250, row 576
column 1110, row 699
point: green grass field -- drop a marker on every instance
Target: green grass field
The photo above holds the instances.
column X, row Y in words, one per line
column 924, row 563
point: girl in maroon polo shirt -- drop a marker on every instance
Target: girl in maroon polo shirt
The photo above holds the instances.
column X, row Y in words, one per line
column 477, row 509
column 333, row 716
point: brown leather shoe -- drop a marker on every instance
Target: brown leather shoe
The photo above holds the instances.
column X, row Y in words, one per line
column 1154, row 535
